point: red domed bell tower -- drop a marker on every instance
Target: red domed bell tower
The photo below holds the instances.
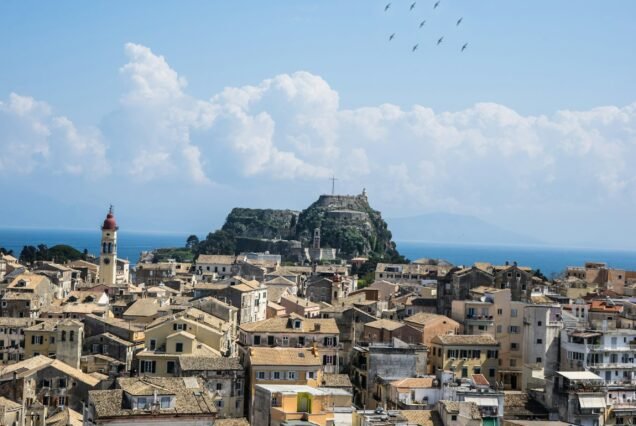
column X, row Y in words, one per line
column 108, row 251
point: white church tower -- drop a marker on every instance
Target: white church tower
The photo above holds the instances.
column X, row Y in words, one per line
column 108, row 252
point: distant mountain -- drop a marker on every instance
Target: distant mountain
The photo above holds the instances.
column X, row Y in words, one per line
column 454, row 229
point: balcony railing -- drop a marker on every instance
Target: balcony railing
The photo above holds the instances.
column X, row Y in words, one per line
column 612, row 366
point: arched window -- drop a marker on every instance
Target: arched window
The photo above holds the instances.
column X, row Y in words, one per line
column 110, row 247
column 104, row 248
column 63, row 335
column 72, row 336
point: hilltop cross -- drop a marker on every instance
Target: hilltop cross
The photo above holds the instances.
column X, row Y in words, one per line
column 333, row 185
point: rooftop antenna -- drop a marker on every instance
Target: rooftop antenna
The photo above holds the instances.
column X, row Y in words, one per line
column 333, row 180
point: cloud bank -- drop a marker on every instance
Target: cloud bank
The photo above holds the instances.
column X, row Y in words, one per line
column 291, row 127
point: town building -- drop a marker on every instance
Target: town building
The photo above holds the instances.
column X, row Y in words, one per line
column 278, row 405
column 191, row 333
column 26, row 295
column 144, row 400
column 12, row 338
column 282, row 366
column 465, row 355
column 376, row 365
column 61, row 340
column 320, row 334
column 48, row 382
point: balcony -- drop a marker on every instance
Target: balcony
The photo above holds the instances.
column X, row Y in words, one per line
column 612, row 366
column 479, row 318
column 602, row 348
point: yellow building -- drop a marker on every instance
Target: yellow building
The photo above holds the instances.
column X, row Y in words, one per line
column 191, row 333
column 61, row 340
column 465, row 355
column 284, row 366
column 284, row 404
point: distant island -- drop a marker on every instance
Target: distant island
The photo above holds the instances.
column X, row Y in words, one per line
column 451, row 228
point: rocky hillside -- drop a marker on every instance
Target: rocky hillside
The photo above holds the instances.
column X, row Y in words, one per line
column 346, row 222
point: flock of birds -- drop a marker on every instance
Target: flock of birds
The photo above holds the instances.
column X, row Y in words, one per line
column 422, row 23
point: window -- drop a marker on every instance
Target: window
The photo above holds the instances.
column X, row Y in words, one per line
column 260, row 375
column 219, row 386
column 257, row 340
column 539, row 359
column 285, row 340
column 178, row 347
column 464, row 371
column 141, row 403
column 165, row 402
column 71, row 336
column 291, row 375
column 61, row 401
column 177, row 326
column 454, row 417
column 37, row 340
column 153, row 344
column 311, row 375
column 499, row 328
column 539, row 341
column 492, row 354
column 270, row 340
column 513, row 313
column 514, row 347
column 476, row 370
column 219, row 403
column 61, row 383
column 148, row 366
column 276, row 375
column 63, row 335
column 328, row 360
column 491, row 372
column 301, row 340
column 499, row 311
column 514, row 329
column 170, row 367
column 513, row 362
column 52, row 339
column 329, row 341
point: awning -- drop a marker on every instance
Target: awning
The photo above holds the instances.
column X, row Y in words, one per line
column 587, row 401
column 483, row 402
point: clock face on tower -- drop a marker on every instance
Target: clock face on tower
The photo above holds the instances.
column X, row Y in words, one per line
column 106, row 261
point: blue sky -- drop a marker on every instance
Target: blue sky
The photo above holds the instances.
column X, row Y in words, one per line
column 508, row 131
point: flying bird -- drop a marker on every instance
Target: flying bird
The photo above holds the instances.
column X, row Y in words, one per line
column 441, row 39
column 464, row 46
column 422, row 23
column 387, row 7
column 436, row 4
column 392, row 36
column 413, row 5
column 459, row 21
column 414, row 48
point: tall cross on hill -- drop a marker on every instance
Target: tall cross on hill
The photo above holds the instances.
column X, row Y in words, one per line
column 333, row 180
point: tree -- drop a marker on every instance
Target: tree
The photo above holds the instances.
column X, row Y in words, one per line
column 192, row 242
column 218, row 242
column 42, row 253
column 28, row 254
column 5, row 251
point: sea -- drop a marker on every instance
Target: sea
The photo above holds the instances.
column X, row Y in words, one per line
column 550, row 260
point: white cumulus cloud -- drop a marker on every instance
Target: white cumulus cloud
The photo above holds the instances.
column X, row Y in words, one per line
column 33, row 139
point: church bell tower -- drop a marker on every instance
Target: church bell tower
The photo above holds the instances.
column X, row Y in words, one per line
column 108, row 252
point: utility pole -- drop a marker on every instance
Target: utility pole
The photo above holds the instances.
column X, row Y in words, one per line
column 333, row 180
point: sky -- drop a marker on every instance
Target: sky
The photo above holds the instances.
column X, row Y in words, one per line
column 175, row 112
